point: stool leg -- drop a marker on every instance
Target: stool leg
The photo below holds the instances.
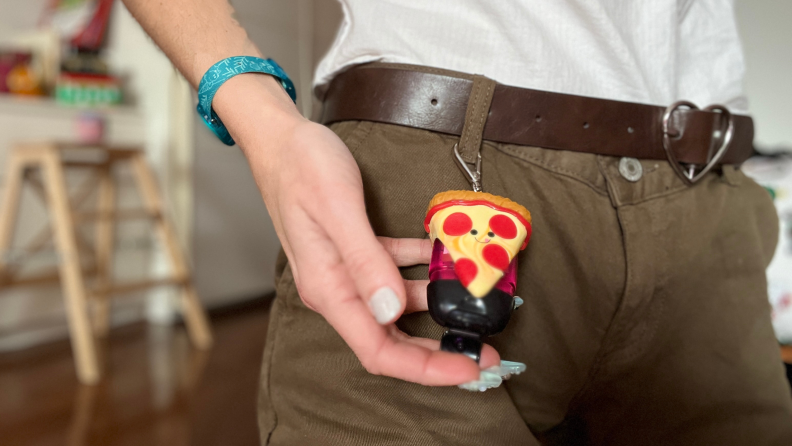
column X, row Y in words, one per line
column 195, row 317
column 70, row 271
column 105, row 234
column 192, row 309
column 8, row 208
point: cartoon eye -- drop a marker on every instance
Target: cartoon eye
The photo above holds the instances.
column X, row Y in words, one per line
column 474, row 232
column 491, row 234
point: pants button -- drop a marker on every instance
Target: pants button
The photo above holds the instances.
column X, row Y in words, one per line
column 631, row 169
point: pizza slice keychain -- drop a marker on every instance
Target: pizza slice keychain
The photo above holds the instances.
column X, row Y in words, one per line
column 473, row 270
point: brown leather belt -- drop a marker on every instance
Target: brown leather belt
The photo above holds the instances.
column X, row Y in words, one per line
column 436, row 100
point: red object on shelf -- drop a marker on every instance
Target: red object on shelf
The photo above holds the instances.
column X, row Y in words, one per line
column 92, row 36
column 81, row 23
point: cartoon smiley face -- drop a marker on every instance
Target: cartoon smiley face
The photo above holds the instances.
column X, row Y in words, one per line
column 481, row 239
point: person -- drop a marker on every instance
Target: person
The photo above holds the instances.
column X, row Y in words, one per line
column 645, row 318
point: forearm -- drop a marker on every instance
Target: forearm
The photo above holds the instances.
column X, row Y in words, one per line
column 195, row 34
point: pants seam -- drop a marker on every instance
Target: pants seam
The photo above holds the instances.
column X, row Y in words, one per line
column 276, row 324
column 552, row 169
column 359, row 135
column 663, row 194
column 605, row 348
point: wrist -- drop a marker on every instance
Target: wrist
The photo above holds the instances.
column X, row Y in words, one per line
column 256, row 110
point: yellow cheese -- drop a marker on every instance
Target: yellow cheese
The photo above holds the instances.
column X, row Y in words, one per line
column 482, row 242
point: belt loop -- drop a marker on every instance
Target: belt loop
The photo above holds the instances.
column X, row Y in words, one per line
column 476, row 117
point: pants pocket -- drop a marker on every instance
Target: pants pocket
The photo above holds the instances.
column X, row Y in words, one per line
column 765, row 216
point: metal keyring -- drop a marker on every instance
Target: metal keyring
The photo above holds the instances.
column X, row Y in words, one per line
column 473, row 177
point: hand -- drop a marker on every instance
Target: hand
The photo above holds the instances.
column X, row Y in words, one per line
column 314, row 194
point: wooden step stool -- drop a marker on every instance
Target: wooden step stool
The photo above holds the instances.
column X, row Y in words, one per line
column 41, row 166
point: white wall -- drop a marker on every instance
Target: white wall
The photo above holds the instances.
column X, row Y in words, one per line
column 767, row 42
column 235, row 243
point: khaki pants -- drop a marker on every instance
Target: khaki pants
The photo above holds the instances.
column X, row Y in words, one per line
column 645, row 321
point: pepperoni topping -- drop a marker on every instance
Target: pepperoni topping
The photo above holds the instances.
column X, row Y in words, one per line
column 466, row 270
column 496, row 256
column 503, row 226
column 457, row 224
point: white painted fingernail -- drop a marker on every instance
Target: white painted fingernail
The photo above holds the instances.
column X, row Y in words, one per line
column 384, row 305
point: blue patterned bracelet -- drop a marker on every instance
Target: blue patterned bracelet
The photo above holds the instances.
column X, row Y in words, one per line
column 225, row 70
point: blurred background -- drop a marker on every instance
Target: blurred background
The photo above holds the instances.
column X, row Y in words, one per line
column 83, row 72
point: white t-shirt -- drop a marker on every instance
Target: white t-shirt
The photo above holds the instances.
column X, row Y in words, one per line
column 652, row 52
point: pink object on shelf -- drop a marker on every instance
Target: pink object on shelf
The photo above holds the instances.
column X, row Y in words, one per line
column 90, row 128
column 441, row 267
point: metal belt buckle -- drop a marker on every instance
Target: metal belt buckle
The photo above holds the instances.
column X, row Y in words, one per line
column 691, row 176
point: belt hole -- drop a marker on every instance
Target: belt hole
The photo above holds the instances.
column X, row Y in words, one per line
column 538, row 118
column 434, row 101
column 630, row 130
column 585, row 125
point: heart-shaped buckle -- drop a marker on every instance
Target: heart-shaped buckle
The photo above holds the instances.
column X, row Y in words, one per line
column 691, row 176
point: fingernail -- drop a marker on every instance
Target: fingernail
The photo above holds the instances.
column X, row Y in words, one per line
column 384, row 305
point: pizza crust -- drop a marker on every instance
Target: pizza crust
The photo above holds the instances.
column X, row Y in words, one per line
column 469, row 195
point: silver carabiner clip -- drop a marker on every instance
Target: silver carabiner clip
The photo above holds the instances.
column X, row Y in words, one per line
column 473, row 177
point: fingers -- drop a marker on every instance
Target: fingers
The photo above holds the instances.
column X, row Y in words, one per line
column 489, row 356
column 408, row 251
column 384, row 354
column 416, row 301
column 416, row 295
column 370, row 266
column 382, row 349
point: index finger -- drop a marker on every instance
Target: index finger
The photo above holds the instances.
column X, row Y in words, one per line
column 408, row 251
column 328, row 285
column 382, row 349
column 383, row 354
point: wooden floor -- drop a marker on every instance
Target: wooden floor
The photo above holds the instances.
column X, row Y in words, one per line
column 158, row 389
